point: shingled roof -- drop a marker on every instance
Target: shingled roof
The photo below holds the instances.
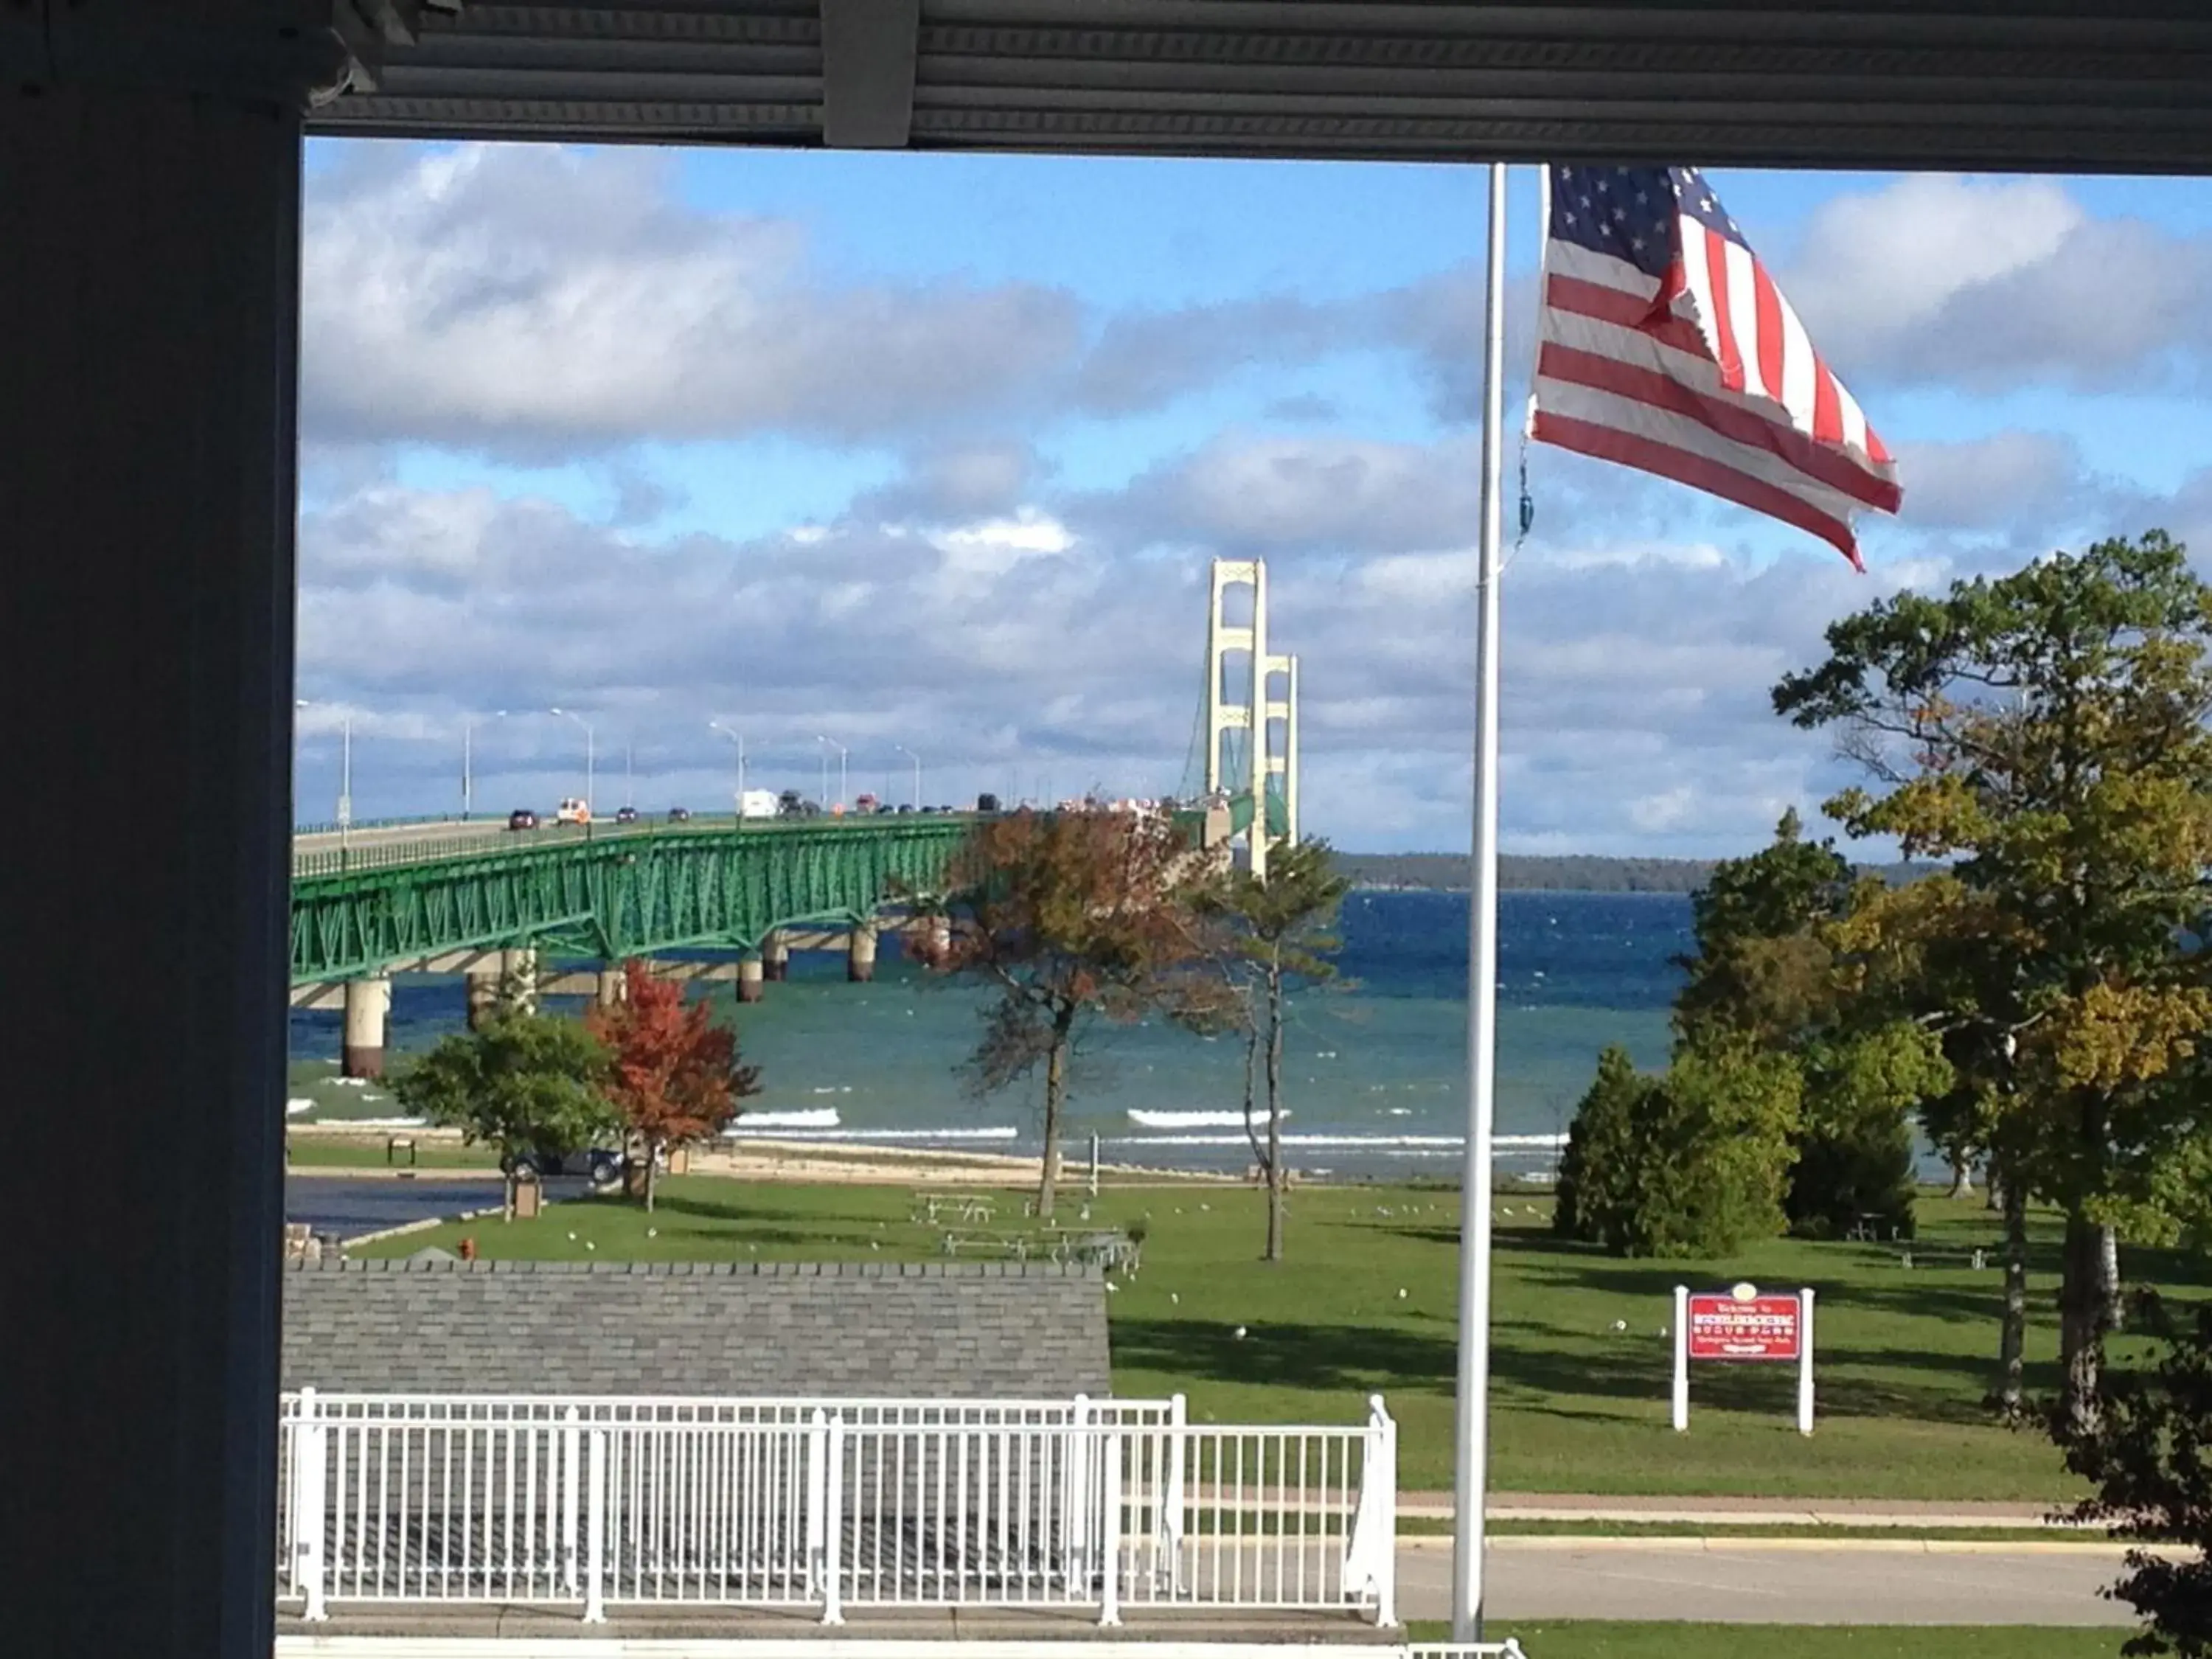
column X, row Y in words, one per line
column 1014, row 1329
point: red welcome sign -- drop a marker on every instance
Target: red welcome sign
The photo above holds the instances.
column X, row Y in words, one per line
column 1723, row 1326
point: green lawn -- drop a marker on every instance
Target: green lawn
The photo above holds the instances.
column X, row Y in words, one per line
column 1600, row 1639
column 1366, row 1303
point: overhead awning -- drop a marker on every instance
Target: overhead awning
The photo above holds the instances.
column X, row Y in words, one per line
column 2041, row 84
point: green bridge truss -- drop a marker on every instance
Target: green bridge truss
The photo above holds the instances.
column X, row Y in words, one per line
column 611, row 897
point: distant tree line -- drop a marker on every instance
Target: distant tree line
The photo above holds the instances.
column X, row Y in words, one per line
column 1564, row 872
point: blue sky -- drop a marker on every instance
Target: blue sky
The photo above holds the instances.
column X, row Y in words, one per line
column 934, row 450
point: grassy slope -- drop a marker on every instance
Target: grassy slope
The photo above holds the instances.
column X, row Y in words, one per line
column 1593, row 1639
column 1580, row 1408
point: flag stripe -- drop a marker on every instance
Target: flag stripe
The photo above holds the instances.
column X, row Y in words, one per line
column 1676, row 361
column 1800, row 367
column 1647, row 455
column 1771, row 346
column 1827, row 408
column 1758, row 466
column 1570, row 365
column 1743, row 312
column 1611, row 304
column 1721, row 322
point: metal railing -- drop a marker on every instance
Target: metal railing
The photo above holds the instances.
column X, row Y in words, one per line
column 600, row 1501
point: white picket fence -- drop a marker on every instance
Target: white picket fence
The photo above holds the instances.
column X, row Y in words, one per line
column 637, row 1501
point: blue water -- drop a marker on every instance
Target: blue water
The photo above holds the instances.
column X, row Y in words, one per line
column 1374, row 1067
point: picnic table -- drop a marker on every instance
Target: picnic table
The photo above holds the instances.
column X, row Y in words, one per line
column 1977, row 1256
column 970, row 1207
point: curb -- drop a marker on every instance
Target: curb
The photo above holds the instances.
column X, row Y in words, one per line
column 1511, row 1544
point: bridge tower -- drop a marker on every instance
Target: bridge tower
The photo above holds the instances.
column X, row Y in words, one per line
column 1257, row 711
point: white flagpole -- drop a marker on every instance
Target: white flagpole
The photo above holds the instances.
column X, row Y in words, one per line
column 1472, row 1475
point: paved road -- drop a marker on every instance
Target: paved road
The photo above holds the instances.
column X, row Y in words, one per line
column 336, row 1207
column 1817, row 1583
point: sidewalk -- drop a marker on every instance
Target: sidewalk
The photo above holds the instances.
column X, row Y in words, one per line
column 1740, row 1511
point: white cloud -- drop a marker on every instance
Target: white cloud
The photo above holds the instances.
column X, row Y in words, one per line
column 521, row 297
column 1988, row 284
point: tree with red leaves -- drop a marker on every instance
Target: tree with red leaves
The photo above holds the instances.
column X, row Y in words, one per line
column 1068, row 916
column 672, row 1075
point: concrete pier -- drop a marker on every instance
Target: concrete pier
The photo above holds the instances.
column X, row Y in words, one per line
column 367, row 1016
column 776, row 956
column 749, row 976
column 860, row 955
column 613, row 987
column 484, row 996
column 518, row 974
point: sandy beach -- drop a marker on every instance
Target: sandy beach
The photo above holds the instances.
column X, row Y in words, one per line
column 815, row 1161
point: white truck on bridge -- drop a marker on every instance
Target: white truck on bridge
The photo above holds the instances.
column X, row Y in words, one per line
column 756, row 804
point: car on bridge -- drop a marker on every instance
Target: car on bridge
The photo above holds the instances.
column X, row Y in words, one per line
column 522, row 819
column 574, row 810
column 680, row 815
column 626, row 815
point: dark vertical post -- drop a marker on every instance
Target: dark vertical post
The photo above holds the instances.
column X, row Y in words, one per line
column 150, row 181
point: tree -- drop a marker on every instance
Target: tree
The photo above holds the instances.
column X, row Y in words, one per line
column 521, row 1084
column 2148, row 1450
column 1069, row 917
column 672, row 1075
column 2046, row 731
column 1691, row 1163
column 1277, row 931
column 1781, row 966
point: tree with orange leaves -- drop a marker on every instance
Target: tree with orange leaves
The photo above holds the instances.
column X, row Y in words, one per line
column 672, row 1075
column 1068, row 916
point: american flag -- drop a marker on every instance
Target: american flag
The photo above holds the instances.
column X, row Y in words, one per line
column 1663, row 344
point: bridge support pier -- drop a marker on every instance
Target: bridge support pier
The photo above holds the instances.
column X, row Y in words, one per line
column 518, row 977
column 613, row 985
column 749, row 974
column 861, row 954
column 776, row 956
column 368, row 1019
column 484, row 996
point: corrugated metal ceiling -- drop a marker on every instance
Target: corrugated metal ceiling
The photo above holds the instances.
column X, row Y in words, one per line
column 2022, row 83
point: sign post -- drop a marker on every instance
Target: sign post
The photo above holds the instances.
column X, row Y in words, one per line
column 1741, row 1324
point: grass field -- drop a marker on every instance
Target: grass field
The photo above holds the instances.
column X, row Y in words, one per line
column 1595, row 1639
column 1366, row 1302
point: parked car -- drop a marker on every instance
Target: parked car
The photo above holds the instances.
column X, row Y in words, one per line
column 680, row 815
column 574, row 810
column 601, row 1166
column 626, row 815
column 522, row 819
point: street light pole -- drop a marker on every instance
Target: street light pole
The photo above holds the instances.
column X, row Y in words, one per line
column 590, row 754
column 842, row 752
column 738, row 739
column 345, row 765
column 629, row 778
column 468, row 775
column 916, row 759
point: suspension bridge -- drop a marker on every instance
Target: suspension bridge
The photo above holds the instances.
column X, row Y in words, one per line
column 471, row 899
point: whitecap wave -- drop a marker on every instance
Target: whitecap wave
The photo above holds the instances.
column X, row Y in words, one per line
column 1151, row 1120
column 757, row 1124
column 812, row 1117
